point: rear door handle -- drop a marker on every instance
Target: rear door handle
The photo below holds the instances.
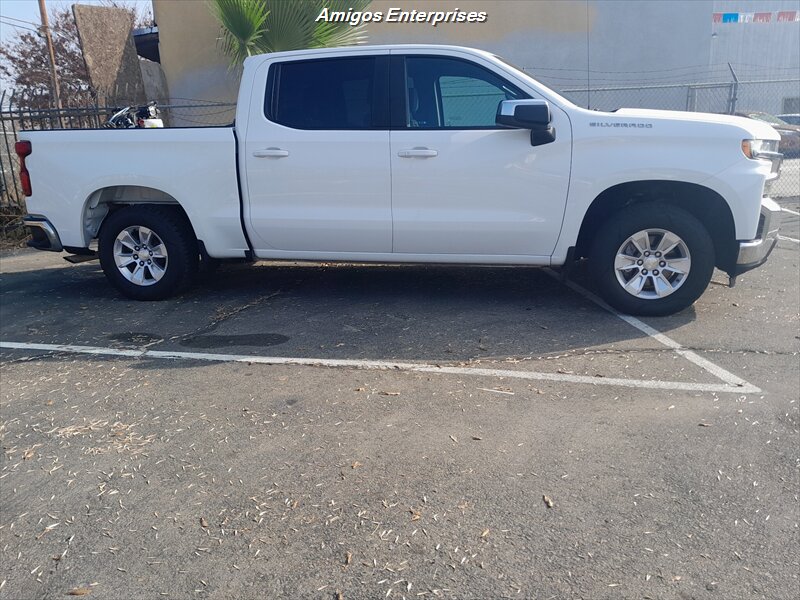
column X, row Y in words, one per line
column 271, row 153
column 418, row 152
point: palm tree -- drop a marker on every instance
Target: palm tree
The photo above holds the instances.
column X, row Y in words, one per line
column 259, row 26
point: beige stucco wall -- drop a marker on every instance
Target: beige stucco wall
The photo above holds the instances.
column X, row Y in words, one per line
column 529, row 33
column 504, row 18
column 194, row 66
column 566, row 44
column 196, row 69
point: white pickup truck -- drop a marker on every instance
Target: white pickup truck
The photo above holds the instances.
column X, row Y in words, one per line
column 413, row 154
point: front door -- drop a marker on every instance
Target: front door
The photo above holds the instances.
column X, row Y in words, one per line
column 316, row 157
column 461, row 184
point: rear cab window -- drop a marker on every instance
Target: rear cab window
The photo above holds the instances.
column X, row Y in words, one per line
column 349, row 93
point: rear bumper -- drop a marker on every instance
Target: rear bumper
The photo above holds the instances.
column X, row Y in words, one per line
column 43, row 235
column 754, row 253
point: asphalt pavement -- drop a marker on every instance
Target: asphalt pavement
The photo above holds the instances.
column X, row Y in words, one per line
column 324, row 431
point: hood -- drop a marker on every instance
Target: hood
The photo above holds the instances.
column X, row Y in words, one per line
column 753, row 128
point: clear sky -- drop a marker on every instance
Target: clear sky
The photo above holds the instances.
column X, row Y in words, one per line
column 17, row 14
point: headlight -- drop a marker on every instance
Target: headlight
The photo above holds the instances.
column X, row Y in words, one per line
column 765, row 149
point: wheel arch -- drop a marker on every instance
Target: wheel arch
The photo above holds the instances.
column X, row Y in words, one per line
column 104, row 201
column 703, row 203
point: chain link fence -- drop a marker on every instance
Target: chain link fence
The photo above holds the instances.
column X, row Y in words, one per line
column 767, row 97
column 22, row 114
column 773, row 96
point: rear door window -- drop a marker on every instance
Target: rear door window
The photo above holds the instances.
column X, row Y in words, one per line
column 335, row 93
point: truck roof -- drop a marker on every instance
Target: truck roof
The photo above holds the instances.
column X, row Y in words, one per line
column 362, row 47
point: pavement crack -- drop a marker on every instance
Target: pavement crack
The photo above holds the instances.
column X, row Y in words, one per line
column 222, row 315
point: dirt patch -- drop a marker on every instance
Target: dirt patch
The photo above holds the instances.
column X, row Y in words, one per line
column 13, row 234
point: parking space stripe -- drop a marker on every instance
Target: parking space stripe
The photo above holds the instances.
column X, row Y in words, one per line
column 791, row 212
column 706, row 365
column 387, row 365
column 788, row 239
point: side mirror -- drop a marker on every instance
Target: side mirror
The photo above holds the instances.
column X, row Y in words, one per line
column 523, row 114
column 528, row 114
column 539, row 137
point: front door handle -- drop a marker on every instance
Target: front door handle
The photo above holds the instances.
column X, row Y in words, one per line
column 418, row 152
column 271, row 153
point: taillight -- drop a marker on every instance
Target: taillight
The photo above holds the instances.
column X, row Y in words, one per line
column 23, row 148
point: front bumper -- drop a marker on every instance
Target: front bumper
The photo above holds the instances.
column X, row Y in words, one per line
column 43, row 235
column 754, row 253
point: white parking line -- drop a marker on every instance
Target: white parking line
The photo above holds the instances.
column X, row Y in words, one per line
column 788, row 239
column 706, row 365
column 791, row 212
column 386, row 365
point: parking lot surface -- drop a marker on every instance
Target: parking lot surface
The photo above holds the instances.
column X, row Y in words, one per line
column 323, row 431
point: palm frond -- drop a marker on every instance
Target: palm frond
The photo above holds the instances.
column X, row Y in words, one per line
column 290, row 25
column 327, row 35
column 242, row 24
column 255, row 26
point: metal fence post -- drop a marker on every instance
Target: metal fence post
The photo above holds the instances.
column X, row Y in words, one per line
column 734, row 92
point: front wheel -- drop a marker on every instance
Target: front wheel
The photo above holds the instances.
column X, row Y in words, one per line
column 148, row 252
column 651, row 259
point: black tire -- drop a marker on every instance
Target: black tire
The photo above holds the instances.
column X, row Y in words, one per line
column 657, row 216
column 175, row 234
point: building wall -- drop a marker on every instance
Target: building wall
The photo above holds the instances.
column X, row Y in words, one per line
column 194, row 66
column 759, row 51
column 619, row 40
column 615, row 42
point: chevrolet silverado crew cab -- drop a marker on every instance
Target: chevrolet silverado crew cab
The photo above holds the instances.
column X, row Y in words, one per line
column 413, row 154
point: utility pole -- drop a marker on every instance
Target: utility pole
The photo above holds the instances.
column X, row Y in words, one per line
column 49, row 39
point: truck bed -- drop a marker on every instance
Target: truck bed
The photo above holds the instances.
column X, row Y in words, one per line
column 196, row 167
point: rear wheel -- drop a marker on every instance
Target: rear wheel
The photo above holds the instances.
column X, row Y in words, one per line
column 651, row 259
column 148, row 252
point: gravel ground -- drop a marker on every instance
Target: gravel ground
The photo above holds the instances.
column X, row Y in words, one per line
column 148, row 478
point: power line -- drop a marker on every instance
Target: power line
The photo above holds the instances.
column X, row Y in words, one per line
column 623, row 78
column 722, row 66
column 17, row 26
column 21, row 20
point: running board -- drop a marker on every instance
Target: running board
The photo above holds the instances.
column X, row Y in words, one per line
column 81, row 258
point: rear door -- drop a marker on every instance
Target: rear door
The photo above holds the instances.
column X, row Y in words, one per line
column 316, row 156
